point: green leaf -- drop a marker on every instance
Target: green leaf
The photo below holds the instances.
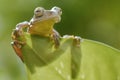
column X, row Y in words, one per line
column 99, row 62
column 91, row 61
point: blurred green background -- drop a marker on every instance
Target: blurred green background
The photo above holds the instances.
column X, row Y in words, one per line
column 92, row 19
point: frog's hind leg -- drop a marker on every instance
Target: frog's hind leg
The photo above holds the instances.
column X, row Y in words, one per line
column 17, row 48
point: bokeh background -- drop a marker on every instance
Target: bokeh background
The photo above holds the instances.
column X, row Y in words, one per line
column 92, row 19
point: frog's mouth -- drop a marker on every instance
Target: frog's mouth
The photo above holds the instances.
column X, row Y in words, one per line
column 55, row 18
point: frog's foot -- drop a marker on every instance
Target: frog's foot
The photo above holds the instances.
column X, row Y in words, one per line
column 76, row 39
column 55, row 36
column 17, row 48
column 15, row 34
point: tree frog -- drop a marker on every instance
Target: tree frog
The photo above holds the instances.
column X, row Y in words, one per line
column 41, row 24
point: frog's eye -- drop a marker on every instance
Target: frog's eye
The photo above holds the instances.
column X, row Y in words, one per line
column 39, row 11
column 57, row 9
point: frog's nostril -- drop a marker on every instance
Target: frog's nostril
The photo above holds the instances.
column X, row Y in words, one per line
column 51, row 12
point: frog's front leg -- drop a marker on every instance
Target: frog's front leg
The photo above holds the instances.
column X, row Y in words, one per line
column 76, row 39
column 75, row 54
column 16, row 35
column 55, row 36
column 18, row 31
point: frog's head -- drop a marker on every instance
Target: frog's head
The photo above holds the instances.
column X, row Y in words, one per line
column 40, row 14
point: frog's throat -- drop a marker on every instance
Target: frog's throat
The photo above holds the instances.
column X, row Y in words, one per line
column 42, row 28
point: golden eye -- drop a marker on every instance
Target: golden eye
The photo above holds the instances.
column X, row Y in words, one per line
column 39, row 11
